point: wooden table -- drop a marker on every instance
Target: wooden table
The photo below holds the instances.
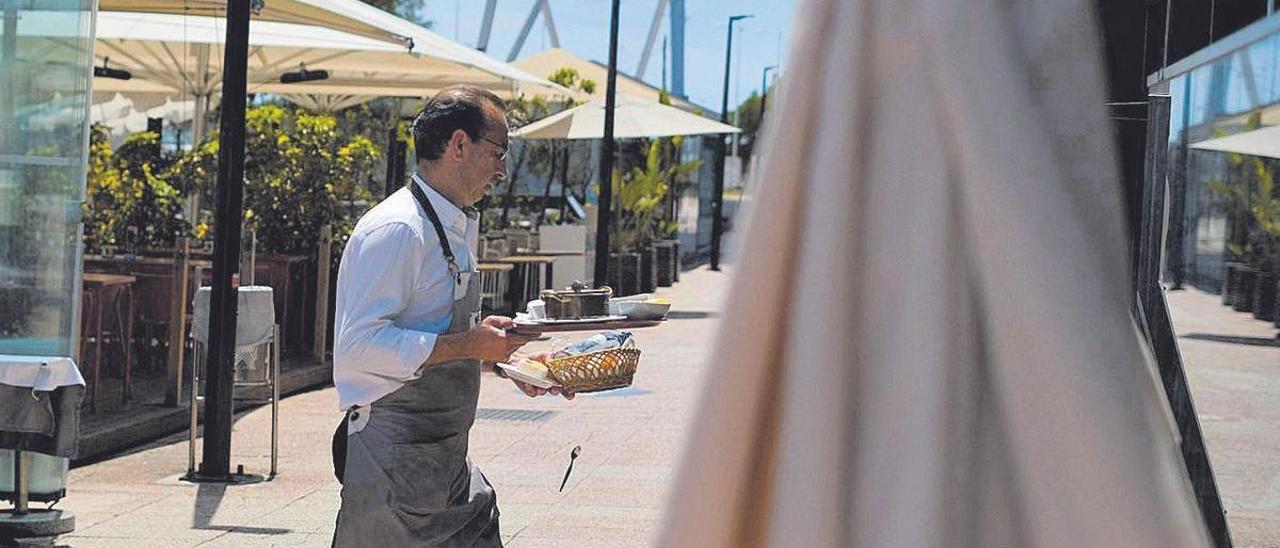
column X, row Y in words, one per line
column 544, row 253
column 525, row 287
column 494, row 283
column 96, row 287
column 183, row 269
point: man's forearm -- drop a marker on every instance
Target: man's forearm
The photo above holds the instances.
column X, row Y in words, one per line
column 450, row 347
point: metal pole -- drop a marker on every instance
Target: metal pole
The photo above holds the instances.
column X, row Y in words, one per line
column 677, row 48
column 605, row 210
column 226, row 247
column 717, row 195
column 393, row 139
column 275, row 398
column 524, row 31
column 8, row 87
column 21, row 482
column 664, row 63
column 764, row 96
column 654, row 27
column 486, row 25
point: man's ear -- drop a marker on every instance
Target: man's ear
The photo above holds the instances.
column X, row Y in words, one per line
column 457, row 143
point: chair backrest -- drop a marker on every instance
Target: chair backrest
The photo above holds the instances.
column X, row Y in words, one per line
column 154, row 293
column 517, row 240
column 493, row 247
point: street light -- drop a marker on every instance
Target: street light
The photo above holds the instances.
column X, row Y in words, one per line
column 764, row 92
column 604, row 211
column 717, row 197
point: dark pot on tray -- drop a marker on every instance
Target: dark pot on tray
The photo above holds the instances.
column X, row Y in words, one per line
column 1242, row 288
column 577, row 301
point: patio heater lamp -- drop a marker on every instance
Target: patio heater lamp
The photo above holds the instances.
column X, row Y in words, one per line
column 303, row 75
column 717, row 196
column 115, row 74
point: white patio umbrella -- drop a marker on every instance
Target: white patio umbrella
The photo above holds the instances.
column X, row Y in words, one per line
column 633, row 118
column 332, row 14
column 929, row 339
column 1263, row 142
column 183, row 54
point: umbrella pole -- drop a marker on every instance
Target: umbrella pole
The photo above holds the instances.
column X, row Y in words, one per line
column 216, row 466
column 605, row 199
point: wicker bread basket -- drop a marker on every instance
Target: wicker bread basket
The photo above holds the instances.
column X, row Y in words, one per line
column 595, row 371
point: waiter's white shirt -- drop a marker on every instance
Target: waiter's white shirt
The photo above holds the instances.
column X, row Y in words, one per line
column 395, row 294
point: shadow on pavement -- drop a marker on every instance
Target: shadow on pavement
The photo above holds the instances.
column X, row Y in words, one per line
column 690, row 315
column 1250, row 341
column 208, row 498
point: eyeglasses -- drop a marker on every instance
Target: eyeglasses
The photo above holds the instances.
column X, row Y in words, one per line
column 503, row 148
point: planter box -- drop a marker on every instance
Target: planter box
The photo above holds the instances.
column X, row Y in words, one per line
column 675, row 260
column 1264, row 296
column 648, row 270
column 1242, row 288
column 624, row 273
column 1228, row 277
column 664, row 265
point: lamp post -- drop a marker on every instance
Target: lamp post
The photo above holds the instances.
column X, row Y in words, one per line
column 604, row 211
column 717, row 196
column 764, row 92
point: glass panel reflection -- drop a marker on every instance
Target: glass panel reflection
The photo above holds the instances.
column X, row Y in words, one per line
column 45, row 55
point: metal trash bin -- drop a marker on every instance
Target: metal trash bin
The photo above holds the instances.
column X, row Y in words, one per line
column 256, row 359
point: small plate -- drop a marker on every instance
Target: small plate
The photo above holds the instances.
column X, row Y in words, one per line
column 518, row 374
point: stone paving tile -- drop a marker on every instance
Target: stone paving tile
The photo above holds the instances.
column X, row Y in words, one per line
column 631, row 449
column 612, row 498
column 1231, row 364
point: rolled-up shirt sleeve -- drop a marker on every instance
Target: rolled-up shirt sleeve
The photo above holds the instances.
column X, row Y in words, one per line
column 376, row 280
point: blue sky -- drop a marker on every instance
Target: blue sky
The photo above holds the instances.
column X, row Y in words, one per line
column 583, row 27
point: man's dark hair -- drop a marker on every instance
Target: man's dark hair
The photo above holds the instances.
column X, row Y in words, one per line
column 453, row 108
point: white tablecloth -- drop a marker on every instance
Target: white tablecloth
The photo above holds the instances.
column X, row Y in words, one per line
column 255, row 318
column 44, row 373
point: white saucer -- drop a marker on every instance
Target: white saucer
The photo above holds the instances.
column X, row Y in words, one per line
column 518, row 374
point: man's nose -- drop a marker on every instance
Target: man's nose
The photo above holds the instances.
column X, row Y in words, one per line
column 501, row 174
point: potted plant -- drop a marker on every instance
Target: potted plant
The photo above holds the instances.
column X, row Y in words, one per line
column 641, row 195
column 1266, row 216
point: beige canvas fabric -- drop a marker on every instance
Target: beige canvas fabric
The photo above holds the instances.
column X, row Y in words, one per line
column 929, row 340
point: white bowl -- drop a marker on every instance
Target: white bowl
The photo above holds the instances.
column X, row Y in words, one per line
column 643, row 311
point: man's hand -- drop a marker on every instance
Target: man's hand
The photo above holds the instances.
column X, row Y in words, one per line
column 490, row 340
column 533, row 391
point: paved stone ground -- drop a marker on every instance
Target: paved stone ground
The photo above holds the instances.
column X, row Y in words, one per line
column 1233, row 368
column 630, row 443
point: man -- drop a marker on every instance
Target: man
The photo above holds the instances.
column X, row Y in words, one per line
column 408, row 348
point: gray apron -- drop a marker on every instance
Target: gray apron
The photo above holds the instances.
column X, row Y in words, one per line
column 407, row 480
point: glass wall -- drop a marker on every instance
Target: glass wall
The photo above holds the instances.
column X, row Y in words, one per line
column 1218, row 165
column 45, row 76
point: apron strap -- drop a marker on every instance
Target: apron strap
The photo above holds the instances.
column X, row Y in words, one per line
column 423, row 201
